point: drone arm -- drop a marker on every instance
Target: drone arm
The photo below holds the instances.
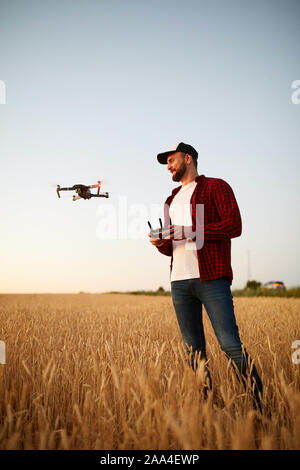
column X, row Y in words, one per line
column 100, row 195
column 67, row 189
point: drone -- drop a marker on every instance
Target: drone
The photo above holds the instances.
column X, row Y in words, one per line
column 83, row 192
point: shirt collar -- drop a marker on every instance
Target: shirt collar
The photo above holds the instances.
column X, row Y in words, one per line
column 198, row 179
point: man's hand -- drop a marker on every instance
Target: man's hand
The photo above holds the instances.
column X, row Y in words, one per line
column 156, row 241
column 167, row 234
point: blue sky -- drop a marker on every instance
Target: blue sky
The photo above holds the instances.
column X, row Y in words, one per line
column 95, row 89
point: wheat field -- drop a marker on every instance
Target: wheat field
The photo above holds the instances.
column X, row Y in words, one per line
column 109, row 371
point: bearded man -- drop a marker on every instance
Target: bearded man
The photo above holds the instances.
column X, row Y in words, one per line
column 199, row 244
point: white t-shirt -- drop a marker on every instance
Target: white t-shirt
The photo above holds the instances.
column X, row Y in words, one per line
column 185, row 261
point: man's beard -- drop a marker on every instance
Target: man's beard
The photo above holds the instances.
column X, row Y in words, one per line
column 180, row 172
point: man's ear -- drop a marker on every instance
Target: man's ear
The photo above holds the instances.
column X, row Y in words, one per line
column 189, row 158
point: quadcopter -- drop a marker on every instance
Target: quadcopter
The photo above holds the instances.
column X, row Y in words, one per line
column 83, row 192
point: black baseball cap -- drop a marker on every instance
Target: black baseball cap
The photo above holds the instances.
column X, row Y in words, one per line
column 181, row 147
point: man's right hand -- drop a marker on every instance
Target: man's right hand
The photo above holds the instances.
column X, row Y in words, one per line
column 156, row 241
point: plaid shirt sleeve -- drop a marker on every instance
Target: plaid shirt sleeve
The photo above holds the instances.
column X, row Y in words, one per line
column 229, row 224
column 166, row 248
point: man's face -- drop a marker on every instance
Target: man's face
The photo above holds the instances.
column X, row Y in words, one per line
column 177, row 165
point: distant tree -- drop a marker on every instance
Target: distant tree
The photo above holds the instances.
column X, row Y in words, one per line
column 253, row 285
column 160, row 290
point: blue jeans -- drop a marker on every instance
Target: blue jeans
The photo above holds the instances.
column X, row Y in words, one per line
column 188, row 297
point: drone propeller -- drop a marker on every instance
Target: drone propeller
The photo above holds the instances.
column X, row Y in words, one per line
column 98, row 186
column 95, row 185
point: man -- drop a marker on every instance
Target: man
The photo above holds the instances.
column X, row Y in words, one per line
column 200, row 271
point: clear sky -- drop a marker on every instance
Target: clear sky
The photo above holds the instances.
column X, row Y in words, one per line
column 94, row 89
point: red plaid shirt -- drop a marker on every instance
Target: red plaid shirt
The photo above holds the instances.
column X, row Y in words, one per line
column 222, row 221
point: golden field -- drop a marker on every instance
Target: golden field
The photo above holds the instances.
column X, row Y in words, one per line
column 92, row 371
